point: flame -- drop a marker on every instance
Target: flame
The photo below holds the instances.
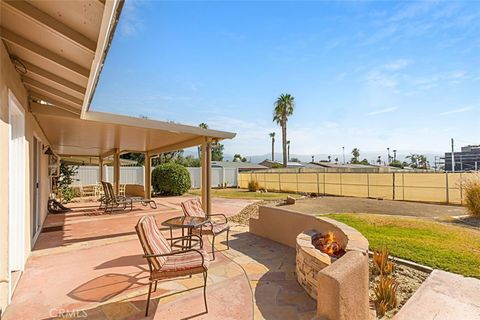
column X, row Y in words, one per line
column 327, row 244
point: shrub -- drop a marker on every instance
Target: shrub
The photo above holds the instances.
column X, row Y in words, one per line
column 67, row 193
column 381, row 262
column 253, row 186
column 472, row 196
column 170, row 179
column 385, row 295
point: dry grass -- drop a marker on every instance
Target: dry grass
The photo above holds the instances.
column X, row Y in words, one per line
column 471, row 189
column 245, row 194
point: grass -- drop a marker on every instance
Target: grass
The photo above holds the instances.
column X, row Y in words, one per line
column 438, row 245
column 245, row 194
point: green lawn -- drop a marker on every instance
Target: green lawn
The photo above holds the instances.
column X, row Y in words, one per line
column 438, row 245
column 245, row 194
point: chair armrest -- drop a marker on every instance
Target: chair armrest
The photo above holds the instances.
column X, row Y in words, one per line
column 220, row 215
column 174, row 253
column 200, row 241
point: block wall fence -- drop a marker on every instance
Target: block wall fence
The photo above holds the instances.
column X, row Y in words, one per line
column 425, row 187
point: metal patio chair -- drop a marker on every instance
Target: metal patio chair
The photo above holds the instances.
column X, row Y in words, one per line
column 214, row 227
column 165, row 263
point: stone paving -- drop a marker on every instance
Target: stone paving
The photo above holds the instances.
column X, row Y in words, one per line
column 92, row 268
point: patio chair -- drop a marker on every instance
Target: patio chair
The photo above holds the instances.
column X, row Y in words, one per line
column 193, row 208
column 165, row 263
column 110, row 200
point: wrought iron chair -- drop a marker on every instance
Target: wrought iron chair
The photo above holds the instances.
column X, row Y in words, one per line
column 110, row 200
column 165, row 263
column 194, row 208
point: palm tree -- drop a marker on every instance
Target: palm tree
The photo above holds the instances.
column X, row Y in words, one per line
column 379, row 160
column 288, row 151
column 356, row 155
column 202, row 125
column 283, row 109
column 272, row 135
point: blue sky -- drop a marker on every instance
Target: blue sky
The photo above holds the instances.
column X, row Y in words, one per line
column 404, row 75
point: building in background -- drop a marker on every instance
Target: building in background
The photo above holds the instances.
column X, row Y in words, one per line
column 468, row 159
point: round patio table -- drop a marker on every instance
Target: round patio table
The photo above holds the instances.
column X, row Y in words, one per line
column 188, row 223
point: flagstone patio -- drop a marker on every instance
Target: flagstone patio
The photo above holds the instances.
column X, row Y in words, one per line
column 87, row 264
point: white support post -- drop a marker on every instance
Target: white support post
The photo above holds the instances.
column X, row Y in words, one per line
column 204, row 176
column 100, row 169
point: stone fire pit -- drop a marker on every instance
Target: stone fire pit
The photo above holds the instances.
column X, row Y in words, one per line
column 340, row 286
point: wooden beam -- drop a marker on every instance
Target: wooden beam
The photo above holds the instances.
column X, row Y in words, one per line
column 31, row 68
column 14, row 38
column 59, row 93
column 49, row 110
column 46, row 21
column 37, row 94
column 177, row 146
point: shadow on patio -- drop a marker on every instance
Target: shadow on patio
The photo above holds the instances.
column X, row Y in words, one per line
column 93, row 267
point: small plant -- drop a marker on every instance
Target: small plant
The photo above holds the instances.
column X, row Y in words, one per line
column 381, row 261
column 170, row 179
column 253, row 186
column 471, row 189
column 67, row 193
column 385, row 295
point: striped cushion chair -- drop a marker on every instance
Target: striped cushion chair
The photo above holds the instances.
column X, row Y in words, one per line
column 216, row 225
column 165, row 263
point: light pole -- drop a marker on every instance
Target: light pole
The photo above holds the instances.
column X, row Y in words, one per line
column 388, row 156
column 343, row 151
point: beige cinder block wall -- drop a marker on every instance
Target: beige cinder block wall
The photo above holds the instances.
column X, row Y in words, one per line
column 10, row 82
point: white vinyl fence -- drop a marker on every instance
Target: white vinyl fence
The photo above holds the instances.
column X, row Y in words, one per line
column 88, row 175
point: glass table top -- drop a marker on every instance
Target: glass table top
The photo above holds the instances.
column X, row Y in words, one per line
column 184, row 222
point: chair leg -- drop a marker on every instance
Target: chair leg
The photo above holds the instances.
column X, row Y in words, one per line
column 213, row 247
column 155, row 290
column 228, row 245
column 205, row 290
column 148, row 298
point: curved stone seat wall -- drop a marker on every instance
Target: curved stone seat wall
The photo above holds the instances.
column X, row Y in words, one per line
column 341, row 287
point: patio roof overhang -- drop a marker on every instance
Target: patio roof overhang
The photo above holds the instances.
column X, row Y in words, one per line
column 99, row 134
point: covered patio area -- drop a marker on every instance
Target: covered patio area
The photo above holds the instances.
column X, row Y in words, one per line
column 90, row 265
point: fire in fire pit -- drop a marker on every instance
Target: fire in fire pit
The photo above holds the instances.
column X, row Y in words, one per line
column 326, row 243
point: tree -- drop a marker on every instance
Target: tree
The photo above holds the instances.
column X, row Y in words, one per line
column 413, row 158
column 217, row 151
column 336, row 160
column 202, row 125
column 356, row 156
column 295, row 160
column 283, row 109
column 379, row 160
column 288, row 150
column 138, row 157
column 272, row 135
column 238, row 157
column 329, row 158
column 396, row 164
column 365, row 162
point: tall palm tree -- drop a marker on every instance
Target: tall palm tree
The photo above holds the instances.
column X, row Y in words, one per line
column 283, row 109
column 288, row 150
column 202, row 125
column 272, row 135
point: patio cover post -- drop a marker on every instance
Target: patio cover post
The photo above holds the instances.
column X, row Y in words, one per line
column 209, row 178
column 116, row 171
column 204, row 176
column 100, row 169
column 147, row 178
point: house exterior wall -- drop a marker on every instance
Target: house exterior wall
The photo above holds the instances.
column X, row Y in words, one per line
column 10, row 82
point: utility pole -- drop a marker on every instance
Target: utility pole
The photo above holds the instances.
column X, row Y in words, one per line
column 453, row 157
column 343, row 151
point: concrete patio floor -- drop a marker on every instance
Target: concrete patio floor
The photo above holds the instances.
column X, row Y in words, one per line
column 89, row 265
